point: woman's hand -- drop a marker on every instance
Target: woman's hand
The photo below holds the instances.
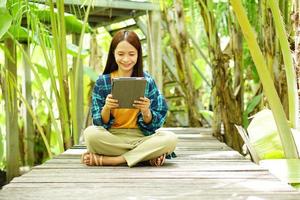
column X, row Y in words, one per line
column 143, row 104
column 110, row 103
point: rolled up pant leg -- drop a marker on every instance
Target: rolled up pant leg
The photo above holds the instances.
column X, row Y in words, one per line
column 99, row 140
column 160, row 143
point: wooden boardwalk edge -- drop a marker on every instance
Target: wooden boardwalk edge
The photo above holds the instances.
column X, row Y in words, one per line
column 204, row 169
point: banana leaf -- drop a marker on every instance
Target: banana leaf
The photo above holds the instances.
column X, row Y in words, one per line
column 5, row 21
column 264, row 137
column 207, row 115
column 22, row 34
column 287, row 170
column 251, row 105
column 73, row 25
column 90, row 73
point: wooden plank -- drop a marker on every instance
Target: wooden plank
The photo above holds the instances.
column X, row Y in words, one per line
column 138, row 193
column 205, row 154
column 210, row 184
column 204, row 169
column 181, row 130
column 179, row 165
column 101, row 175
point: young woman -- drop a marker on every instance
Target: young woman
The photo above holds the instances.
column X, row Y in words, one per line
column 129, row 136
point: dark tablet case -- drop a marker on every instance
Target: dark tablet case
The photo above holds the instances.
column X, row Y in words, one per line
column 128, row 89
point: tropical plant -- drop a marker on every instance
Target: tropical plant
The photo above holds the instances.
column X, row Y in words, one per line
column 288, row 63
column 269, row 89
column 227, row 83
column 53, row 44
column 181, row 48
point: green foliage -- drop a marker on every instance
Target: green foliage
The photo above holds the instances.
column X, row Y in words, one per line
column 20, row 33
column 207, row 115
column 196, row 76
column 73, row 49
column 90, row 73
column 42, row 70
column 253, row 14
column 267, row 82
column 5, row 21
column 249, row 65
column 222, row 19
column 296, row 185
column 2, row 150
column 264, row 136
column 251, row 105
column 73, row 25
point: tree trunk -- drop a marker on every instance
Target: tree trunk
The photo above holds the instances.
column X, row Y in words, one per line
column 95, row 64
column 296, row 23
column 11, row 113
column 227, row 105
column 154, row 47
column 183, row 60
column 77, row 96
column 28, row 123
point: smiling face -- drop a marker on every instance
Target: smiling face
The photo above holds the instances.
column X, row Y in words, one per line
column 126, row 57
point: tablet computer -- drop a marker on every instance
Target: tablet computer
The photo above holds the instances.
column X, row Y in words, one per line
column 128, row 89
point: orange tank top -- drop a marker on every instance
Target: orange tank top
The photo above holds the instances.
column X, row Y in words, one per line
column 124, row 118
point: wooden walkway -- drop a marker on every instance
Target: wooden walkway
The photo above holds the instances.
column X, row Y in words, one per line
column 204, row 169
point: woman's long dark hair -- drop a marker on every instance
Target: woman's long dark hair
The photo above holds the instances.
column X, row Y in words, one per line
column 132, row 38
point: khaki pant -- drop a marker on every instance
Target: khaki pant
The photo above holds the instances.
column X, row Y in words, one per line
column 132, row 144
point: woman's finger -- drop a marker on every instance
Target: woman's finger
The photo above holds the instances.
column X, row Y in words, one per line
column 137, row 106
column 140, row 102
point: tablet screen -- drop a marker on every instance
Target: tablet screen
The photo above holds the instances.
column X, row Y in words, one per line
column 128, row 89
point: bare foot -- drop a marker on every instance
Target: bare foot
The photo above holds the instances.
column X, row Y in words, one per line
column 93, row 159
column 159, row 161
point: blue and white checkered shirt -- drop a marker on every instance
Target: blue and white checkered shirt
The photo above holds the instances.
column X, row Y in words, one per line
column 158, row 104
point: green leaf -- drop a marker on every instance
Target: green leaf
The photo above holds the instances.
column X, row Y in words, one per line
column 208, row 115
column 296, row 185
column 264, row 137
column 270, row 92
column 72, row 49
column 253, row 103
column 91, row 73
column 5, row 21
column 196, row 78
column 287, row 170
column 7, row 53
column 73, row 24
column 18, row 32
column 250, row 107
column 42, row 70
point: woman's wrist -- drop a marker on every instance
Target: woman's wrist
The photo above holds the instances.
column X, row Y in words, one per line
column 105, row 108
column 147, row 116
column 146, row 113
column 105, row 113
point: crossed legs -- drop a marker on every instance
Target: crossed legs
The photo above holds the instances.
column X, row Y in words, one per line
column 105, row 148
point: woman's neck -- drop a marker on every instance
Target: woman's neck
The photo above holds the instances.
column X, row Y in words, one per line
column 124, row 73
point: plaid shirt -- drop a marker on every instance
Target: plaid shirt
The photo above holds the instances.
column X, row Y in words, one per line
column 158, row 104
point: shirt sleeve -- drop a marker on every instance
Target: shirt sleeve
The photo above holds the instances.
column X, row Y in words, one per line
column 100, row 91
column 158, row 108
